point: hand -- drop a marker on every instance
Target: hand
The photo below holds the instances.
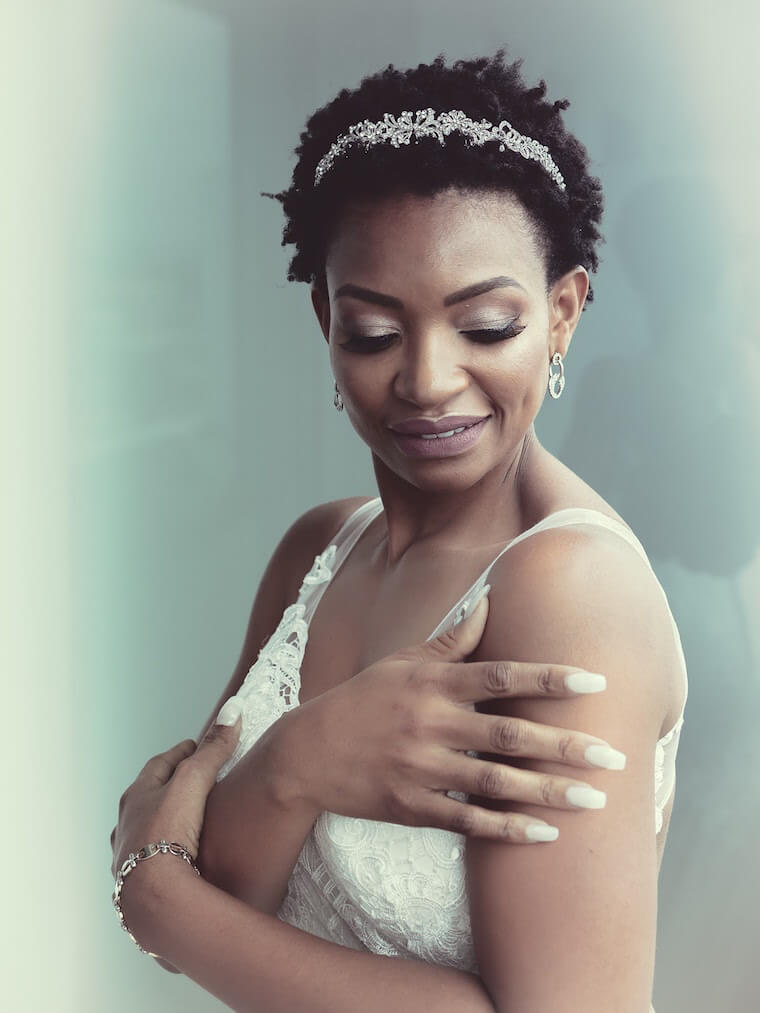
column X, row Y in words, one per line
column 389, row 743
column 167, row 800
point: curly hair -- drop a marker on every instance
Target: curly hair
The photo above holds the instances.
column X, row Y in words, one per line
column 565, row 222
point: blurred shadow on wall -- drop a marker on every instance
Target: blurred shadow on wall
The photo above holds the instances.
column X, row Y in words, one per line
column 676, row 419
column 666, row 428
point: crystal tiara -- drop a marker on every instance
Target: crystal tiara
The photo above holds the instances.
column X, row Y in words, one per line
column 426, row 123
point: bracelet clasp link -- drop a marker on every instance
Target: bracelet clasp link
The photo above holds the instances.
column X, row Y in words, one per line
column 131, row 862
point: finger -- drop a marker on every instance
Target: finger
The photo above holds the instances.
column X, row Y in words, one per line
column 491, row 780
column 216, row 746
column 457, row 642
column 161, row 767
column 510, row 736
column 475, row 681
column 475, row 821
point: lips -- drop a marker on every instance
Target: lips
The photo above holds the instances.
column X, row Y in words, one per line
column 436, row 427
column 446, row 437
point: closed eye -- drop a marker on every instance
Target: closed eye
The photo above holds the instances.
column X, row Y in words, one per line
column 368, row 343
column 490, row 335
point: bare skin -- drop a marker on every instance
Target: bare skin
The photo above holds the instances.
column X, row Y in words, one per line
column 387, row 745
column 251, row 961
column 444, row 520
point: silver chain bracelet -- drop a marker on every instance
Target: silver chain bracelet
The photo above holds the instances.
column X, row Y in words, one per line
column 131, row 863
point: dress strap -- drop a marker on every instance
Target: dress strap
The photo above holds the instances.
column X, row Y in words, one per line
column 327, row 564
column 558, row 519
column 353, row 528
column 582, row 515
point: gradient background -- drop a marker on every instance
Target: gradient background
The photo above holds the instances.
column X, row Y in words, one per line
column 167, row 411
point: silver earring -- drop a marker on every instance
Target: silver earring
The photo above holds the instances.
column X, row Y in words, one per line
column 556, row 380
column 338, row 400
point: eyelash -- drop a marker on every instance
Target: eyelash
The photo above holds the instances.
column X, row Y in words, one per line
column 363, row 343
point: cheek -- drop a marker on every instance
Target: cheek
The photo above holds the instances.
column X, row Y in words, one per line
column 364, row 387
column 364, row 379
column 519, row 379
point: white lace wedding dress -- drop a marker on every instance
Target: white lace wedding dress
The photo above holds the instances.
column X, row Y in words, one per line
column 390, row 889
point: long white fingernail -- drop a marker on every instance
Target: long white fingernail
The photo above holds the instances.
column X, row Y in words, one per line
column 586, row 797
column 230, row 712
column 470, row 607
column 585, row 682
column 605, row 756
column 541, row 832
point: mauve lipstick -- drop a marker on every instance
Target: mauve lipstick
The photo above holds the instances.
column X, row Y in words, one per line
column 443, row 437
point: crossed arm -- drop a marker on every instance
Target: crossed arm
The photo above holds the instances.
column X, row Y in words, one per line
column 235, row 949
column 567, row 926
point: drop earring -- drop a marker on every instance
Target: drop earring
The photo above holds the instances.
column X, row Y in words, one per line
column 556, row 380
column 338, row 400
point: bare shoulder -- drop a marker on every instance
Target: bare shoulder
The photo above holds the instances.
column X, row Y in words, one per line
column 291, row 560
column 582, row 595
column 588, row 559
column 309, row 535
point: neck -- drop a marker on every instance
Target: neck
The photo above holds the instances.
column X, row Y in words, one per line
column 492, row 511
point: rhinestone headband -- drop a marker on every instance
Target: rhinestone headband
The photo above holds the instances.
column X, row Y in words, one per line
column 425, row 123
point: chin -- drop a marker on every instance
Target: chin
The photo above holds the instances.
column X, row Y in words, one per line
column 450, row 475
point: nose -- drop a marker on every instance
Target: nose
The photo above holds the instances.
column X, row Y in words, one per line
column 430, row 372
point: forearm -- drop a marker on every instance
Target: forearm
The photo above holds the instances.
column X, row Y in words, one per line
column 254, row 829
column 256, row 964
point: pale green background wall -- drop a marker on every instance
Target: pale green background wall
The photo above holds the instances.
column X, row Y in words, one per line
column 166, row 411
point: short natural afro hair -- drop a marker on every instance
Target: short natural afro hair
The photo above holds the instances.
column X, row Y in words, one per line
column 486, row 88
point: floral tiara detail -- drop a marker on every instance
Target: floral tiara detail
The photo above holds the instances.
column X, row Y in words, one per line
column 425, row 123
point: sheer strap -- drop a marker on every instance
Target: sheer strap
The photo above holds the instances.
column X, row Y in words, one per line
column 559, row 519
column 327, row 564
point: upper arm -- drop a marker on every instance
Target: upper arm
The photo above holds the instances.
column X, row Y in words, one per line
column 290, row 562
column 571, row 924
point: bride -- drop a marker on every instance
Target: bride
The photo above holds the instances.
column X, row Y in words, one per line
column 447, row 224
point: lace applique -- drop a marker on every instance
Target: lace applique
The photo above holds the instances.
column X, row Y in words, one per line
column 393, row 890
column 673, row 732
column 660, row 761
column 315, row 903
column 273, row 682
column 321, row 571
column 399, row 891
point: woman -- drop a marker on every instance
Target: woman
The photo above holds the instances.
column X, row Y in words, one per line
column 449, row 254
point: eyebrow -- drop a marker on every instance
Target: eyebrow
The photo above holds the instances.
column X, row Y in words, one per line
column 380, row 299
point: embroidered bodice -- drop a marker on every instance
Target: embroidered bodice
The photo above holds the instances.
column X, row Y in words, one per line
column 394, row 890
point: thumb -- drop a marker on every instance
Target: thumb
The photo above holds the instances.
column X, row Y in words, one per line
column 218, row 744
column 460, row 640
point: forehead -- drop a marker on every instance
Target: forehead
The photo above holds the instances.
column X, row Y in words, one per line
column 451, row 238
